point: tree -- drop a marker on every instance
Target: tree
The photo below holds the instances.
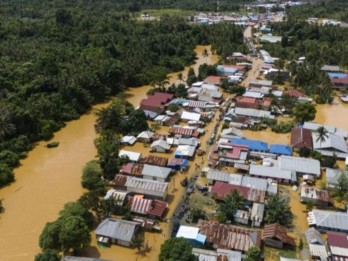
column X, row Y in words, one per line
column 342, row 187
column 135, row 123
column 322, row 134
column 253, row 254
column 232, row 203
column 91, row 175
column 191, row 77
column 74, row 235
column 6, row 126
column 197, row 214
column 175, row 249
column 304, row 112
column 138, row 242
column 180, row 77
column 205, row 54
column 300, row 244
column 309, row 205
column 304, row 152
column 173, row 107
column 49, row 238
column 180, row 91
column 278, row 211
column 48, row 255
column 6, row 174
column 78, row 210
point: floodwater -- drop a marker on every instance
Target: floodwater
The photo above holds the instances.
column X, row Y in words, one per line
column 334, row 115
column 45, row 181
column 49, row 178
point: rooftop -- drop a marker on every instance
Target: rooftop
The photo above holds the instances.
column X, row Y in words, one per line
column 279, row 232
column 280, row 149
column 251, row 144
column 117, row 228
column 298, row 164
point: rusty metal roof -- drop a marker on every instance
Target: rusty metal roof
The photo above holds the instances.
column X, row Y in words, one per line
column 155, row 160
column 279, row 232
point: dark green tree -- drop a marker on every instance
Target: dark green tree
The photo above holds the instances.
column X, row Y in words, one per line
column 278, row 211
column 48, row 255
column 92, row 176
column 78, row 210
column 49, row 238
column 232, row 203
column 175, row 249
column 304, row 112
column 6, row 174
column 253, row 254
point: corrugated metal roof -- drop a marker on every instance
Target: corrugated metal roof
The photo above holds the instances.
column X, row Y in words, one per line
column 280, row 149
column 251, row 144
column 318, row 251
column 253, row 113
column 154, row 160
column 270, row 172
column 132, row 155
column 145, row 184
column 218, row 175
column 298, row 164
column 331, row 129
column 156, row 171
column 160, row 143
column 119, row 196
column 313, row 236
column 279, row 232
column 117, row 228
column 328, row 219
column 229, row 237
column 332, row 141
column 338, row 243
column 257, row 212
column 252, row 182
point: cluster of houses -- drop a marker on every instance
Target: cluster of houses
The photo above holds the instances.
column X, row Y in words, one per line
column 338, row 77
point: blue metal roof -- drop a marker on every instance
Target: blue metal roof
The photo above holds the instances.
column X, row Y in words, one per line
column 280, row 149
column 252, row 144
column 337, row 75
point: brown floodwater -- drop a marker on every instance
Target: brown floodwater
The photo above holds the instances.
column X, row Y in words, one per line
column 49, row 178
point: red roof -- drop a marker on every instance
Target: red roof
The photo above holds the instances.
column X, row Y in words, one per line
column 339, row 80
column 279, row 232
column 147, row 206
column 336, row 239
column 238, row 67
column 301, row 138
column 237, row 149
column 247, row 100
column 294, row 93
column 158, row 100
column 221, row 190
column 213, row 80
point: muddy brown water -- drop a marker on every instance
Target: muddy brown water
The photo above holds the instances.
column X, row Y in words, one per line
column 49, row 178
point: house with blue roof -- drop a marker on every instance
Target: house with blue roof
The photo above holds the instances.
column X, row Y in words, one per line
column 280, row 149
column 337, row 75
column 253, row 145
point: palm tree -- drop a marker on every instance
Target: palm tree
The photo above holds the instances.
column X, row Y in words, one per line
column 180, row 77
column 205, row 54
column 322, row 134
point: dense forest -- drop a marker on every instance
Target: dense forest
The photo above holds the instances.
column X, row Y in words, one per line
column 60, row 57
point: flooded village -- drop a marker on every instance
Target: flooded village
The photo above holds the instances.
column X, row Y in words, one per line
column 181, row 171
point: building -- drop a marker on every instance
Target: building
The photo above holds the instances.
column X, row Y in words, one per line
column 192, row 235
column 158, row 173
column 248, row 102
column 313, row 126
column 160, row 146
column 154, row 160
column 300, row 165
column 274, row 173
column 325, row 220
column 229, row 237
column 252, row 113
column 261, row 83
column 184, row 151
column 229, row 153
column 231, row 133
column 178, row 164
column 269, row 38
column 330, row 146
column 252, row 145
column 184, row 131
column 242, row 217
column 338, row 245
column 133, row 156
column 151, row 188
column 128, row 140
column 117, row 195
column 156, row 103
column 332, row 176
column 301, row 138
column 213, row 80
column 80, row 258
column 116, row 231
column 149, row 207
column 280, row 149
column 316, row 244
column 190, row 116
column 317, row 196
column 257, row 212
column 132, row 169
column 275, row 235
column 145, row 136
column 218, row 255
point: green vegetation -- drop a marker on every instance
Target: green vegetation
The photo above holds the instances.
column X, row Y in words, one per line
column 304, row 112
column 254, row 253
column 232, row 203
column 48, row 255
column 91, row 175
column 175, row 249
column 341, row 191
column 278, row 211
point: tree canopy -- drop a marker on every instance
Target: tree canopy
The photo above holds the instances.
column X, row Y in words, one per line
column 278, row 211
column 175, row 249
column 304, row 112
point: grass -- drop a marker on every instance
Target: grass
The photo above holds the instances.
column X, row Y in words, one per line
column 274, row 253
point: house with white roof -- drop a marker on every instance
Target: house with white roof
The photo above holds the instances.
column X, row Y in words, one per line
column 332, row 176
column 253, row 113
column 185, row 151
column 192, row 235
column 325, row 220
column 130, row 140
column 313, row 126
column 160, row 146
column 280, row 175
column 132, row 155
column 330, row 145
column 190, row 116
column 151, row 188
column 300, row 165
column 156, row 173
column 146, row 136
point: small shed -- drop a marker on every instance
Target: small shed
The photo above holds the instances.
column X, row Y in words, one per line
column 145, row 136
column 257, row 212
column 178, row 164
column 275, row 235
column 132, row 155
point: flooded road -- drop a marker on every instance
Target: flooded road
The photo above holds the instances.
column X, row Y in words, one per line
column 49, row 178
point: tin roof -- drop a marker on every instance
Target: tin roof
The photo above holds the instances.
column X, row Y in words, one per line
column 313, row 236
column 154, row 160
column 251, row 144
column 147, row 206
column 280, row 149
column 156, row 171
column 301, row 137
column 132, row 169
column 119, row 180
column 229, row 237
column 279, row 232
column 298, row 164
column 313, row 126
column 119, row 196
column 270, row 172
column 253, row 113
column 132, row 155
column 338, row 243
column 257, row 212
column 161, row 143
column 117, row 228
column 145, row 184
column 329, row 220
column 316, row 194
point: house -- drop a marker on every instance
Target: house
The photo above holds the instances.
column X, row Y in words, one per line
column 325, row 220
column 129, row 140
column 267, row 59
column 294, row 93
column 330, row 68
column 301, row 138
column 145, row 136
column 338, row 245
column 119, row 182
column 330, row 146
column 162, row 120
column 260, row 183
column 218, row 255
column 252, row 113
column 154, row 160
column 300, row 165
column 313, row 126
column 156, row 103
column 213, row 80
column 316, row 244
column 116, row 231
column 229, row 237
column 184, row 152
column 217, row 175
column 248, row 102
column 117, row 195
column 317, row 196
column 158, row 173
column 231, row 133
column 242, row 217
column 253, row 94
column 192, row 235
column 132, row 155
column 178, row 164
column 184, row 131
column 226, row 70
column 253, row 145
column 332, row 176
column 269, row 38
column 280, row 149
column 189, row 141
column 275, row 235
column 229, row 153
column 160, row 146
column 132, row 169
column 257, row 212
column 261, row 83
column 151, row 207
column 151, row 188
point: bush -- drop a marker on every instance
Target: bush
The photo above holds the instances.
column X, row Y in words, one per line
column 9, row 158
column 91, row 176
column 305, row 152
column 6, row 174
column 282, row 127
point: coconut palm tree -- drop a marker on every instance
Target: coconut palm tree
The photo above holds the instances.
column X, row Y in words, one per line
column 322, row 134
column 205, row 54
